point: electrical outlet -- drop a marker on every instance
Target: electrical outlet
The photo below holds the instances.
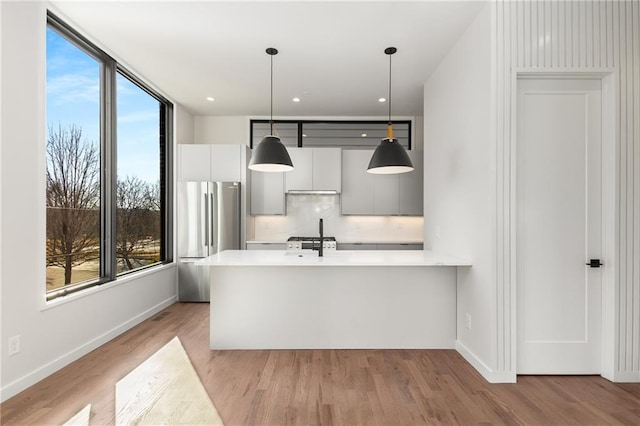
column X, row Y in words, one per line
column 438, row 232
column 14, row 345
column 467, row 321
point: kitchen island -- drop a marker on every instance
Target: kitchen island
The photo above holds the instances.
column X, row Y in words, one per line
column 272, row 299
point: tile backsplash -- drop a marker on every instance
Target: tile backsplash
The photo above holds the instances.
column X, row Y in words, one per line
column 303, row 212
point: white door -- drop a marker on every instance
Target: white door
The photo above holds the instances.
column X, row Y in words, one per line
column 558, row 226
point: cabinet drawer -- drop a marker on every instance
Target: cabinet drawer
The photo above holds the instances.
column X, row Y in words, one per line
column 265, row 246
column 356, row 246
column 400, row 246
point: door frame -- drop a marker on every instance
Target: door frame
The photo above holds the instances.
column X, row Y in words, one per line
column 610, row 185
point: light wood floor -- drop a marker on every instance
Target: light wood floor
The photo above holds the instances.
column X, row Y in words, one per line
column 309, row 387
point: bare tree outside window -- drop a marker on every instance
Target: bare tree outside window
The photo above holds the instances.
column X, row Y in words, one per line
column 73, row 199
column 139, row 127
column 138, row 216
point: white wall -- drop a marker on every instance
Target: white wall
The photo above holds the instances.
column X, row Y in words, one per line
column 221, row 129
column 185, row 125
column 52, row 335
column 459, row 183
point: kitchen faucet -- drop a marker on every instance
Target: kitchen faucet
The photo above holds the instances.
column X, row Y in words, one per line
column 320, row 254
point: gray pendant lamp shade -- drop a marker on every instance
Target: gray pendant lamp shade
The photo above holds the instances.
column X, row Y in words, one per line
column 271, row 155
column 390, row 157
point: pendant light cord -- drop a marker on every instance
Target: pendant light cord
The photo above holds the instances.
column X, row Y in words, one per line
column 271, row 96
column 390, row 89
column 390, row 52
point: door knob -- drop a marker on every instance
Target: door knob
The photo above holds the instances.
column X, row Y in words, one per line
column 595, row 263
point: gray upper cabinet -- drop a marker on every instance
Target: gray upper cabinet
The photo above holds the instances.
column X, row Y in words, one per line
column 410, row 191
column 385, row 195
column 267, row 193
column 327, row 169
column 357, row 184
column 382, row 195
column 301, row 177
column 314, row 169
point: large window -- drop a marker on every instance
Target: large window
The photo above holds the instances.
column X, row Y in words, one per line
column 138, row 220
column 108, row 167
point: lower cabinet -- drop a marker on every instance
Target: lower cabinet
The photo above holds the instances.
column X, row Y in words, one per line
column 265, row 246
column 379, row 246
column 400, row 246
column 356, row 246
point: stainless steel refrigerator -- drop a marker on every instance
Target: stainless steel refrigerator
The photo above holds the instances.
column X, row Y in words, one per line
column 208, row 222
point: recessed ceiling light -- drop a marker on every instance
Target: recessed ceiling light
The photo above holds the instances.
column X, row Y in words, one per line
column 210, row 99
column 296, row 99
column 364, row 135
column 382, row 100
column 304, row 135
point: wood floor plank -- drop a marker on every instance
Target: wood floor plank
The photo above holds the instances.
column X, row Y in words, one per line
column 322, row 387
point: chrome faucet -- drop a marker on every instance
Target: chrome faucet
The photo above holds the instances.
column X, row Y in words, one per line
column 320, row 254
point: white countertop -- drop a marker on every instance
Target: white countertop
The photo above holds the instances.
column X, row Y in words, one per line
column 341, row 242
column 334, row 258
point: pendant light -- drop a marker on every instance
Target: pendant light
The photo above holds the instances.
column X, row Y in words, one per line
column 390, row 157
column 271, row 155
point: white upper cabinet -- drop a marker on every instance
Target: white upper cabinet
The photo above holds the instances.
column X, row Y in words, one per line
column 210, row 163
column 226, row 163
column 314, row 169
column 381, row 195
column 194, row 163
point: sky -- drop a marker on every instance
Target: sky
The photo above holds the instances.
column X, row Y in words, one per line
column 73, row 93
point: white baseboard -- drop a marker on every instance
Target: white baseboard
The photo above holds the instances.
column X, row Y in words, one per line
column 490, row 375
column 626, row 377
column 46, row 370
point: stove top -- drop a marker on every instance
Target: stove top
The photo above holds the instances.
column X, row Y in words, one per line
column 311, row 243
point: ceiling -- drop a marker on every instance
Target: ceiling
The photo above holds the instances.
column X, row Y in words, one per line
column 331, row 53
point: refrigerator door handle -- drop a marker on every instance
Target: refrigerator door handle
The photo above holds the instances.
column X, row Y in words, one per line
column 212, row 223
column 206, row 220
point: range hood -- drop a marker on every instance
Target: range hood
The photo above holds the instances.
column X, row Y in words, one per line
column 312, row 192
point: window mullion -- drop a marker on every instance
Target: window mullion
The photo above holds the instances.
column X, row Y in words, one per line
column 109, row 170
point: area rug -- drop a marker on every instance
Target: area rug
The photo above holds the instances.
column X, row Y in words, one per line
column 164, row 390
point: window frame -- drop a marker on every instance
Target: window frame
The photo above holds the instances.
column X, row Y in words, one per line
column 301, row 124
column 109, row 68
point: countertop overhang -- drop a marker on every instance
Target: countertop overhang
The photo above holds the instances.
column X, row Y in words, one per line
column 335, row 258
